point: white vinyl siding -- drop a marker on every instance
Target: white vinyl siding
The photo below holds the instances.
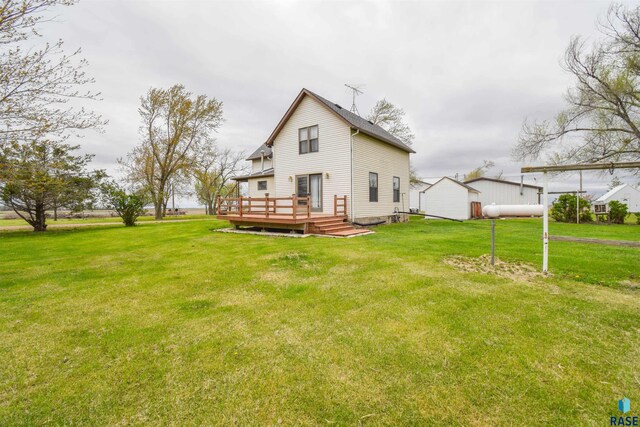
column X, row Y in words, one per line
column 449, row 199
column 256, row 165
column 332, row 159
column 504, row 194
column 253, row 187
column 371, row 155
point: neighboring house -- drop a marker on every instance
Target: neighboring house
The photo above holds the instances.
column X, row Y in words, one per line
column 451, row 199
column 622, row 193
column 503, row 192
column 417, row 198
column 322, row 150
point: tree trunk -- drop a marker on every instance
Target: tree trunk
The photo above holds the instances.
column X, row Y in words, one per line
column 40, row 222
column 158, row 210
column 55, row 213
column 210, row 209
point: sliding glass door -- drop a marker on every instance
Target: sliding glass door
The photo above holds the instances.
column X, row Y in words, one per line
column 310, row 185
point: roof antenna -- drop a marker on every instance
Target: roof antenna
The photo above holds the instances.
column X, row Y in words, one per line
column 355, row 89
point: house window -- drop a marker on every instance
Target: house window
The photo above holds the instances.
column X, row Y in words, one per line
column 396, row 189
column 262, row 185
column 308, row 140
column 373, row 187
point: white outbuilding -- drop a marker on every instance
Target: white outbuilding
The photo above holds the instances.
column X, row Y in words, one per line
column 503, row 192
column 449, row 198
column 417, row 198
column 624, row 193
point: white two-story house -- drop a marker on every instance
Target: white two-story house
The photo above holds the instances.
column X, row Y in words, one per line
column 322, row 150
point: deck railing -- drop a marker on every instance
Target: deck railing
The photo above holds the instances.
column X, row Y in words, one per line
column 276, row 207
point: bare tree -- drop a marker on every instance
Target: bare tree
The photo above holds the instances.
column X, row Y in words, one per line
column 213, row 171
column 36, row 86
column 176, row 126
column 391, row 118
column 602, row 120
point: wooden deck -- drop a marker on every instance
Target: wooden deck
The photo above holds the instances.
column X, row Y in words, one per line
column 288, row 213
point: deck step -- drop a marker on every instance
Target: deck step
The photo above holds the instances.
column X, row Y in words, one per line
column 335, row 226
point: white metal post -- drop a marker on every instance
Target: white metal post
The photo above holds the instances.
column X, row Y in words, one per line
column 545, row 223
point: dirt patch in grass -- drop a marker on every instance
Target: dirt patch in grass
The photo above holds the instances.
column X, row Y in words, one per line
column 509, row 270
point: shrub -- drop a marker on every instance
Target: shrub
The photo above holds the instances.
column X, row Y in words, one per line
column 637, row 214
column 564, row 209
column 128, row 206
column 618, row 211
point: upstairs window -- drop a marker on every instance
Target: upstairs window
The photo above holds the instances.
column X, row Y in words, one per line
column 308, row 139
column 262, row 185
column 396, row 189
column 373, row 187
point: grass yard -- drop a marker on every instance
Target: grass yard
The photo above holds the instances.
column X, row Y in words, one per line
column 172, row 323
column 96, row 220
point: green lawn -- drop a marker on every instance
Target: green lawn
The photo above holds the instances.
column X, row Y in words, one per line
column 94, row 220
column 172, row 323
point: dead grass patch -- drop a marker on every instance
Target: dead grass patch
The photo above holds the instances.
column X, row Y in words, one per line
column 509, row 270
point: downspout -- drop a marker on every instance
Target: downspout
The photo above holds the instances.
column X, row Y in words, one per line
column 351, row 196
column 261, row 160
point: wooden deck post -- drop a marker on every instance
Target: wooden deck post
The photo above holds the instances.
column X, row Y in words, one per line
column 345, row 205
column 266, row 205
column 335, row 205
column 240, row 205
column 249, row 207
column 294, row 205
column 308, row 206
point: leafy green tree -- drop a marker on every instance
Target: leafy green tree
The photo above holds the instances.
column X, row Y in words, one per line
column 618, row 211
column 564, row 209
column 129, row 206
column 391, row 118
column 40, row 175
column 176, row 126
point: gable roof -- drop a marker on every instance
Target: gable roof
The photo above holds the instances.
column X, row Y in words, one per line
column 613, row 191
column 454, row 181
column 258, row 153
column 351, row 119
column 502, row 181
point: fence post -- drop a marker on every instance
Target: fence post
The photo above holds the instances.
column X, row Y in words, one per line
column 266, row 205
column 240, row 205
column 308, row 206
column 294, row 205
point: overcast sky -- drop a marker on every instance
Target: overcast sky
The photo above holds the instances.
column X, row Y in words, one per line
column 467, row 74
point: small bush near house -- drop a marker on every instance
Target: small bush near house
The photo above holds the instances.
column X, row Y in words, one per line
column 618, row 211
column 128, row 206
column 564, row 209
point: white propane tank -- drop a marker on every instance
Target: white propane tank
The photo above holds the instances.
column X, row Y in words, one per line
column 496, row 211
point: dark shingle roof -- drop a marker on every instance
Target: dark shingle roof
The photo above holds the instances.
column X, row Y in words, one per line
column 258, row 153
column 264, row 173
column 364, row 125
